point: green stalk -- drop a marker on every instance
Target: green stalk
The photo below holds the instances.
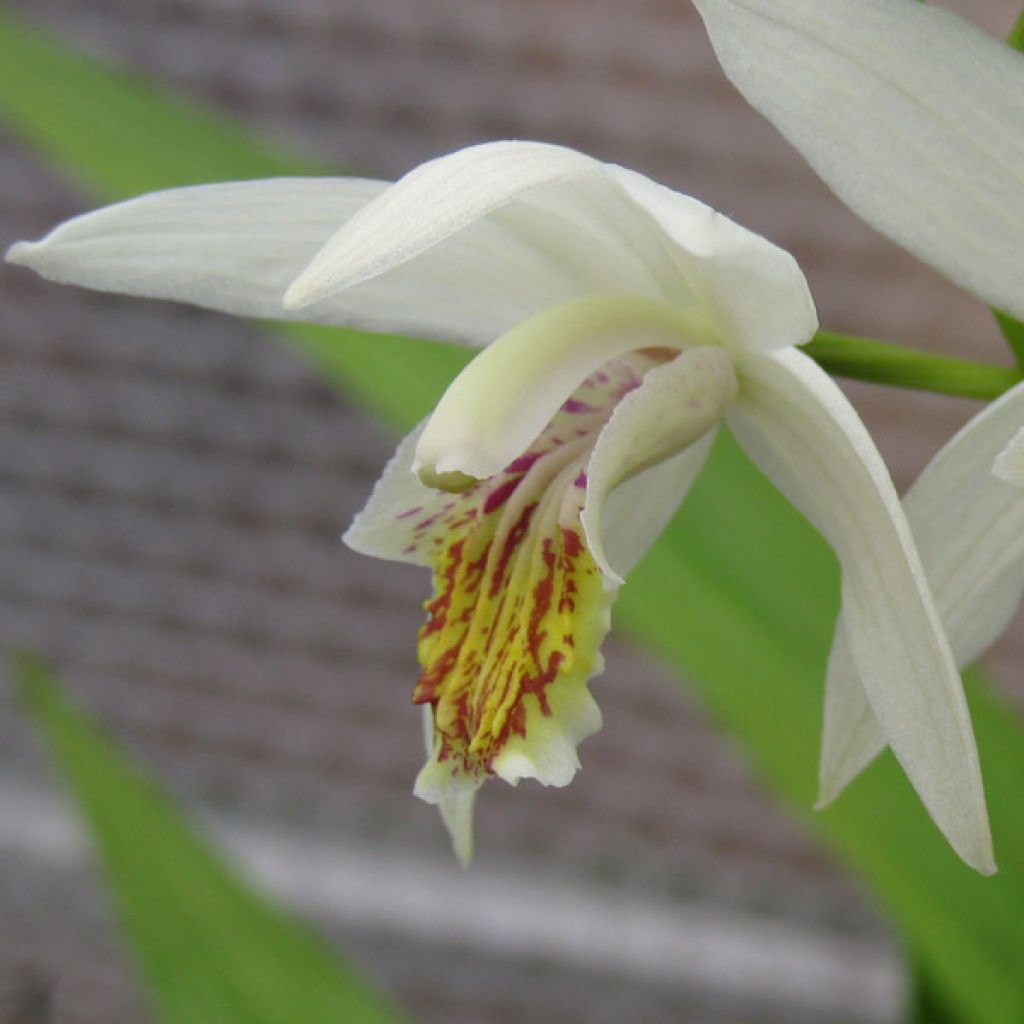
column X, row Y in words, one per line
column 882, row 362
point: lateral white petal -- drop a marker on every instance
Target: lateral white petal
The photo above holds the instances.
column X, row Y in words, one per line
column 755, row 292
column 236, row 247
column 969, row 529
column 914, row 117
column 431, row 203
column 676, row 405
column 802, row 432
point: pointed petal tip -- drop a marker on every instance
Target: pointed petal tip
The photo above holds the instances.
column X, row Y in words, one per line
column 21, row 253
column 824, row 800
column 301, row 292
column 978, row 854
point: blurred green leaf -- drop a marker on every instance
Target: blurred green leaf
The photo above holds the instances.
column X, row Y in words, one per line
column 740, row 595
column 212, row 950
column 1016, row 36
column 924, row 1004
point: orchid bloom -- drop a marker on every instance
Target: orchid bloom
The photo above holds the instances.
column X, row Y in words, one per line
column 620, row 323
column 915, row 118
column 967, row 514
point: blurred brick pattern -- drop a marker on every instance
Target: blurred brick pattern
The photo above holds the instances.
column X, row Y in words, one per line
column 174, row 485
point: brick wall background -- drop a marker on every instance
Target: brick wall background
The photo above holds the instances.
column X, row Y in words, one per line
column 173, row 486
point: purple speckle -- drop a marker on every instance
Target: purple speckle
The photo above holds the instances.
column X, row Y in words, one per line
column 523, row 463
column 575, row 405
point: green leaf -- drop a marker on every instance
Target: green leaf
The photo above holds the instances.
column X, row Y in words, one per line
column 212, row 950
column 925, row 1005
column 740, row 596
column 1016, row 36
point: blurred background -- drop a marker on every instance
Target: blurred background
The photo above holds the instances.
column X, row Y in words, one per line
column 173, row 488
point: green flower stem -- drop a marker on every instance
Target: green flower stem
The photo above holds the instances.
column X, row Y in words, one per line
column 882, row 362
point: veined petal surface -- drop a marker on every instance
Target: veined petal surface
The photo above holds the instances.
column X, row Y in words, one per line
column 913, row 116
column 606, row 230
column 755, row 292
column 676, row 405
column 235, row 247
column 969, row 528
column 801, row 431
column 431, row 203
column 1009, row 463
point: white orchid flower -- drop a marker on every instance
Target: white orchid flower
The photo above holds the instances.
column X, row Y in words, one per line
column 911, row 115
column 620, row 323
column 915, row 118
column 967, row 514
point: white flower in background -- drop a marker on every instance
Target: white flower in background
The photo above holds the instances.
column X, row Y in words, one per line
column 967, row 513
column 913, row 116
column 622, row 321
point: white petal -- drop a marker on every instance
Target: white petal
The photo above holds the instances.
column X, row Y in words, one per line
column 457, row 815
column 431, row 203
column 675, row 405
column 637, row 511
column 1009, row 463
column 969, row 529
column 851, row 737
column 911, row 115
column 590, row 227
column 495, row 409
column 231, row 246
column 236, row 247
column 796, row 424
column 548, row 752
column 456, row 806
column 390, row 524
column 758, row 296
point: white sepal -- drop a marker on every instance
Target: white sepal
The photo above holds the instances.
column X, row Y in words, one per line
column 804, row 435
column 236, row 247
column 232, row 247
column 913, row 116
column 969, row 528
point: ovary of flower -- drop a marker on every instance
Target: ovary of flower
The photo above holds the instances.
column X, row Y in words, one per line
column 624, row 321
